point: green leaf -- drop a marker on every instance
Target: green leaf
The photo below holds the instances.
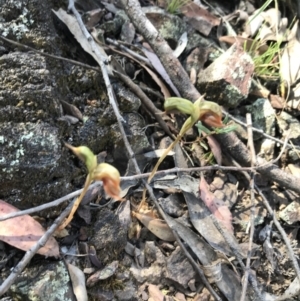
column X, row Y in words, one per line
column 227, row 129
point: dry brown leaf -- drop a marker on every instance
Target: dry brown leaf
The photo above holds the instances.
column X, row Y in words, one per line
column 290, row 63
column 157, row 226
column 94, row 258
column 200, row 219
column 215, row 148
column 72, row 110
column 107, row 272
column 155, row 293
column 216, row 206
column 201, row 19
column 295, row 170
column 158, row 81
column 157, row 65
column 277, row 102
column 72, row 24
column 193, row 75
column 181, row 45
column 23, row 232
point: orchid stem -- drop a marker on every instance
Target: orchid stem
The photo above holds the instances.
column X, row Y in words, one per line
column 163, row 157
column 87, row 183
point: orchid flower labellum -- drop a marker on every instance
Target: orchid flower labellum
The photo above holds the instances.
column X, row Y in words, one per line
column 110, row 177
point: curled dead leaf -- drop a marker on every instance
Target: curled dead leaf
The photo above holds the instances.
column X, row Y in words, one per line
column 103, row 274
column 78, row 281
column 157, row 226
column 155, row 293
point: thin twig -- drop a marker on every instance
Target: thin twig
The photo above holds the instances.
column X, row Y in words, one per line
column 126, row 49
column 47, row 205
column 30, row 253
column 252, row 279
column 55, row 57
column 277, row 224
column 281, row 231
column 100, row 60
column 285, row 144
column 252, row 211
column 159, row 173
column 288, row 145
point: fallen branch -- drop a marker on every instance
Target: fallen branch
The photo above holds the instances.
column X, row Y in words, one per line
column 176, row 72
column 252, row 210
column 261, row 132
column 67, row 197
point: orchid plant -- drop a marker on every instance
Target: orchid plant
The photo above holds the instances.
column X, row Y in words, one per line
column 208, row 112
column 104, row 172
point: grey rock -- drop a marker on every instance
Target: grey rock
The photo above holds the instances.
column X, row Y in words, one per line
column 291, row 213
column 154, row 271
column 171, row 27
column 153, row 254
column 263, row 116
column 288, row 122
column 47, row 281
column 114, row 27
column 227, row 80
column 32, row 164
column 35, row 168
column 178, row 269
column 267, row 149
column 173, row 205
column 128, row 293
column 100, row 294
column 109, row 237
column 127, row 100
